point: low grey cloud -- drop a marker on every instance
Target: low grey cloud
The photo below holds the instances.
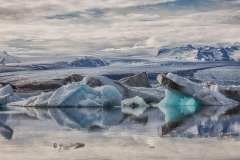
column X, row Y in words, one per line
column 108, row 27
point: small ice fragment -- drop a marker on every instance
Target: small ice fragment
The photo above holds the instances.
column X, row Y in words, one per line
column 135, row 106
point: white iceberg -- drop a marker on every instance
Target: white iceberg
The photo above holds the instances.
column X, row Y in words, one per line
column 135, row 106
column 92, row 91
column 232, row 92
column 148, row 94
column 75, row 94
column 7, row 95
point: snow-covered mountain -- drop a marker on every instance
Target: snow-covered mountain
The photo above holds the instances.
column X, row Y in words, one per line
column 99, row 62
column 88, row 62
column 5, row 58
column 190, row 53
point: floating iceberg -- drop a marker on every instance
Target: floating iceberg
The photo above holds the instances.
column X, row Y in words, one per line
column 191, row 89
column 7, row 95
column 175, row 106
column 135, row 106
column 184, row 97
column 75, row 94
column 148, row 94
column 232, row 92
column 92, row 91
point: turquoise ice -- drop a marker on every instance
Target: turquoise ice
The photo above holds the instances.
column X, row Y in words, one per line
column 176, row 105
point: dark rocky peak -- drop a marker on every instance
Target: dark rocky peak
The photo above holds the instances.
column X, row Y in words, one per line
column 162, row 50
column 189, row 47
column 224, row 53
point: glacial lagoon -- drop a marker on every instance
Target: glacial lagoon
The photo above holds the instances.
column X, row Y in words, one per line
column 213, row 132
column 108, row 133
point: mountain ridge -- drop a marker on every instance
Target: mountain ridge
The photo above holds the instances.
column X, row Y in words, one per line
column 6, row 58
column 206, row 53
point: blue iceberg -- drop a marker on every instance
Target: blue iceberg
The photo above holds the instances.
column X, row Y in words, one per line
column 75, row 94
column 175, row 105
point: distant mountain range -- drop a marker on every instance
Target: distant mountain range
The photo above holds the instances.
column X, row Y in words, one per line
column 99, row 62
column 5, row 58
column 206, row 53
column 183, row 53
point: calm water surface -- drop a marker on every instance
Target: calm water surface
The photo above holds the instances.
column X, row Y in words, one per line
column 30, row 133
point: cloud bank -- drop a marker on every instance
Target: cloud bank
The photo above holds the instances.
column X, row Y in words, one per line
column 110, row 27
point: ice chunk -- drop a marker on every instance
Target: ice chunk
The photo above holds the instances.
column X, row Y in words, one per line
column 135, row 106
column 175, row 105
column 110, row 96
column 76, row 94
column 6, row 91
column 7, row 95
column 188, row 88
column 64, row 92
column 148, row 94
column 232, row 92
column 87, row 96
column 42, row 99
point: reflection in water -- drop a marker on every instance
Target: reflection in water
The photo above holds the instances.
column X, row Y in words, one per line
column 5, row 130
column 211, row 121
column 110, row 134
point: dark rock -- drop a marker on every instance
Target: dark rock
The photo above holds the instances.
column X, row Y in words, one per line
column 204, row 54
column 168, row 83
column 138, row 80
column 73, row 78
column 79, row 145
column 93, row 82
column 163, row 50
column 134, row 105
column 43, row 86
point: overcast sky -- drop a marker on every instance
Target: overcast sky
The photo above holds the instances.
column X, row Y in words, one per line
column 114, row 27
